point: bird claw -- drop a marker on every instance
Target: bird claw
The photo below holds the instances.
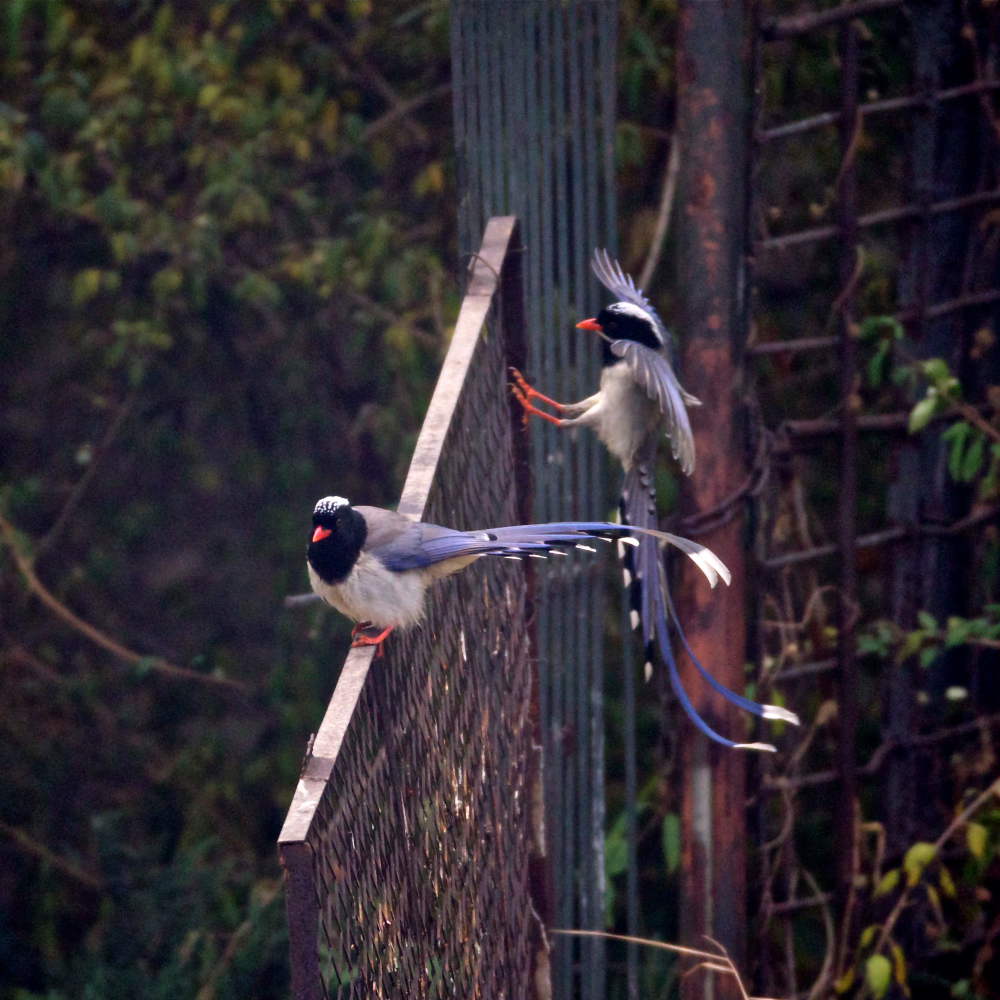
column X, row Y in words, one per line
column 363, row 638
column 523, row 390
column 523, row 393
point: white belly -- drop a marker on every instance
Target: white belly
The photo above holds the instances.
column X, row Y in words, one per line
column 372, row 593
column 625, row 416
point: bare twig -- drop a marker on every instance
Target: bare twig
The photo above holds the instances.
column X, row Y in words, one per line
column 236, row 940
column 709, row 959
column 663, row 214
column 953, row 827
column 819, row 987
column 46, row 855
column 80, row 487
column 402, row 109
column 95, row 635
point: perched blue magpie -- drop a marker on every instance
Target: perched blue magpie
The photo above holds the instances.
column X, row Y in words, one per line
column 375, row 565
column 639, row 399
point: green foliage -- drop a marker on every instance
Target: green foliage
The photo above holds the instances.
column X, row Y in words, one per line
column 878, row 975
column 931, row 637
column 223, row 281
column 944, row 900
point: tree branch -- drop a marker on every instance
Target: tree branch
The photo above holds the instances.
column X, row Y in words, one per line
column 95, row 635
column 956, row 824
column 46, row 855
column 83, row 482
column 663, row 215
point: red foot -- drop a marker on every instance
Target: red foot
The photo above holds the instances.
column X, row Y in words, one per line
column 360, row 628
column 528, row 391
column 523, row 393
column 360, row 639
column 530, row 409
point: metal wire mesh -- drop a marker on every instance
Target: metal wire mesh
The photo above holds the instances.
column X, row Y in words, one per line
column 534, row 131
column 409, row 840
column 893, row 228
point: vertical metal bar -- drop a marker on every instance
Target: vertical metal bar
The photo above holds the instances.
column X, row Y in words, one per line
column 474, row 104
column 534, row 154
column 547, row 359
column 711, row 128
column 460, row 88
column 512, row 301
column 847, row 686
column 498, row 153
column 561, row 482
column 606, row 35
column 302, row 903
column 589, row 758
column 591, row 473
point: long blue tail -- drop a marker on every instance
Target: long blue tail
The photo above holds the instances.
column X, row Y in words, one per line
column 653, row 608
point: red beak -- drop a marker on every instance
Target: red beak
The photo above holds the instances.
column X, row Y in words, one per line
column 590, row 324
column 320, row 533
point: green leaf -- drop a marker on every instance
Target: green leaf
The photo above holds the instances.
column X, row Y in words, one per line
column 877, row 364
column 672, row 841
column 875, row 326
column 878, row 975
column 928, row 656
column 868, row 935
column 923, row 413
column 615, row 856
column 887, row 883
column 976, row 836
column 911, row 644
column 936, row 370
column 166, row 281
column 616, row 846
column 947, row 883
column 899, row 965
column 927, row 621
column 845, row 982
column 86, row 284
column 958, row 631
column 956, row 436
column 916, row 859
column 973, row 461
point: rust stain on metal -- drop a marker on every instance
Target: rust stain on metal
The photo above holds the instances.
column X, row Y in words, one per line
column 704, row 190
column 712, row 247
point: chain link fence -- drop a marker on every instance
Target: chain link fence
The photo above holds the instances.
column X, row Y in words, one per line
column 409, row 846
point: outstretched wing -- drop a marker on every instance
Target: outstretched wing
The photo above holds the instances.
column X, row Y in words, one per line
column 610, row 274
column 654, row 375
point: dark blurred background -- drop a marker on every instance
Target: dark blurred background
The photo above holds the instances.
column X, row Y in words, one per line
column 228, row 273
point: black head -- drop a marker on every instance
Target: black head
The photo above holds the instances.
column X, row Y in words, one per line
column 339, row 532
column 624, row 321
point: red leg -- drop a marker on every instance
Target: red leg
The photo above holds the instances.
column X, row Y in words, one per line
column 530, row 408
column 530, row 392
column 359, row 628
column 370, row 640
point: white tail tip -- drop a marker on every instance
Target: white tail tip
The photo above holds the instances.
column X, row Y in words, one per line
column 777, row 712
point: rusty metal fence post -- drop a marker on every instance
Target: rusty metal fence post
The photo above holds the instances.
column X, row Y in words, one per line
column 409, row 847
column 712, row 121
